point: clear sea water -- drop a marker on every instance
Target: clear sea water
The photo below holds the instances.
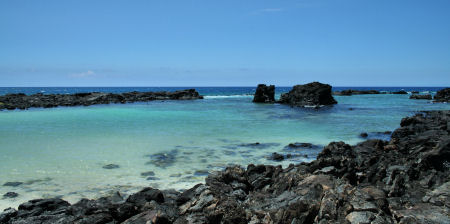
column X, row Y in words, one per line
column 60, row 152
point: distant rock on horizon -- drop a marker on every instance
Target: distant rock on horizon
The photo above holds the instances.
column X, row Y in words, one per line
column 349, row 92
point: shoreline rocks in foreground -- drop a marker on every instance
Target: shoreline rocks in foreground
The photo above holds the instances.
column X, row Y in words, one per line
column 22, row 101
column 264, row 94
column 404, row 180
column 311, row 94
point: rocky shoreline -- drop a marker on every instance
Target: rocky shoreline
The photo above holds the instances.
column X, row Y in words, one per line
column 22, row 101
column 404, row 180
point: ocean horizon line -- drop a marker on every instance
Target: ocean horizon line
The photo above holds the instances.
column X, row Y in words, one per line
column 283, row 86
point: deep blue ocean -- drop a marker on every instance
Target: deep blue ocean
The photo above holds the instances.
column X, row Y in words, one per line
column 61, row 152
column 207, row 91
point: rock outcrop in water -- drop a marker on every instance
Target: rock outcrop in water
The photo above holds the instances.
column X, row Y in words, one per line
column 421, row 97
column 264, row 94
column 400, row 92
column 405, row 180
column 442, row 95
column 349, row 92
column 311, row 94
column 22, row 101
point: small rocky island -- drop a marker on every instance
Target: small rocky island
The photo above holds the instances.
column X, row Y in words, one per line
column 313, row 94
column 264, row 94
column 442, row 95
column 404, row 180
column 22, row 101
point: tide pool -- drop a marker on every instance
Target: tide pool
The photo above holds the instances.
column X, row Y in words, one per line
column 60, row 152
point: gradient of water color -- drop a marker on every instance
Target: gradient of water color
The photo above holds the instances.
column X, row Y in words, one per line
column 61, row 151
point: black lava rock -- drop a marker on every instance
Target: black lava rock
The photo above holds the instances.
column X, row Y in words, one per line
column 12, row 184
column 442, row 95
column 10, row 195
column 421, row 97
column 111, row 166
column 311, row 94
column 22, row 101
column 264, row 94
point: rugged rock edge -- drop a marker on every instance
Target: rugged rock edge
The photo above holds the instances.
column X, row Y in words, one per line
column 405, row 180
column 22, row 101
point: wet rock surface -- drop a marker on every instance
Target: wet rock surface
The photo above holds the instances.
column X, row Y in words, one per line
column 264, row 94
column 10, row 195
column 311, row 94
column 404, row 180
column 442, row 95
column 163, row 159
column 349, row 92
column 22, row 101
column 421, row 97
column 399, row 92
column 111, row 166
column 12, row 184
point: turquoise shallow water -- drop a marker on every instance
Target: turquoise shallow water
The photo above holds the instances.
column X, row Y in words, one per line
column 61, row 151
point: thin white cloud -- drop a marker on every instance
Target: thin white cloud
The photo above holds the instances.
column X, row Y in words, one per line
column 88, row 73
column 267, row 10
column 271, row 10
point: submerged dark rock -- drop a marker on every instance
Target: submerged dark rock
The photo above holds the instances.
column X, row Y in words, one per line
column 163, row 159
column 363, row 135
column 264, row 94
column 201, row 173
column 10, row 195
column 258, row 145
column 311, row 94
column 276, row 157
column 301, row 145
column 421, row 97
column 22, row 101
column 404, row 180
column 111, row 166
column 148, row 174
column 12, row 184
column 442, row 95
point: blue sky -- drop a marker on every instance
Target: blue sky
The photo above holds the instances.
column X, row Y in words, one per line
column 224, row 43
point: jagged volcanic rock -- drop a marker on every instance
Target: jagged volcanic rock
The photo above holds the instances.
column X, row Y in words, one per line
column 442, row 95
column 22, row 101
column 264, row 94
column 311, row 94
column 421, row 97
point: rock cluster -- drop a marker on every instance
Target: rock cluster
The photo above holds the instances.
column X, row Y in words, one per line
column 349, row 92
column 311, row 94
column 404, row 180
column 421, row 97
column 442, row 95
column 22, row 101
column 400, row 92
column 264, row 94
